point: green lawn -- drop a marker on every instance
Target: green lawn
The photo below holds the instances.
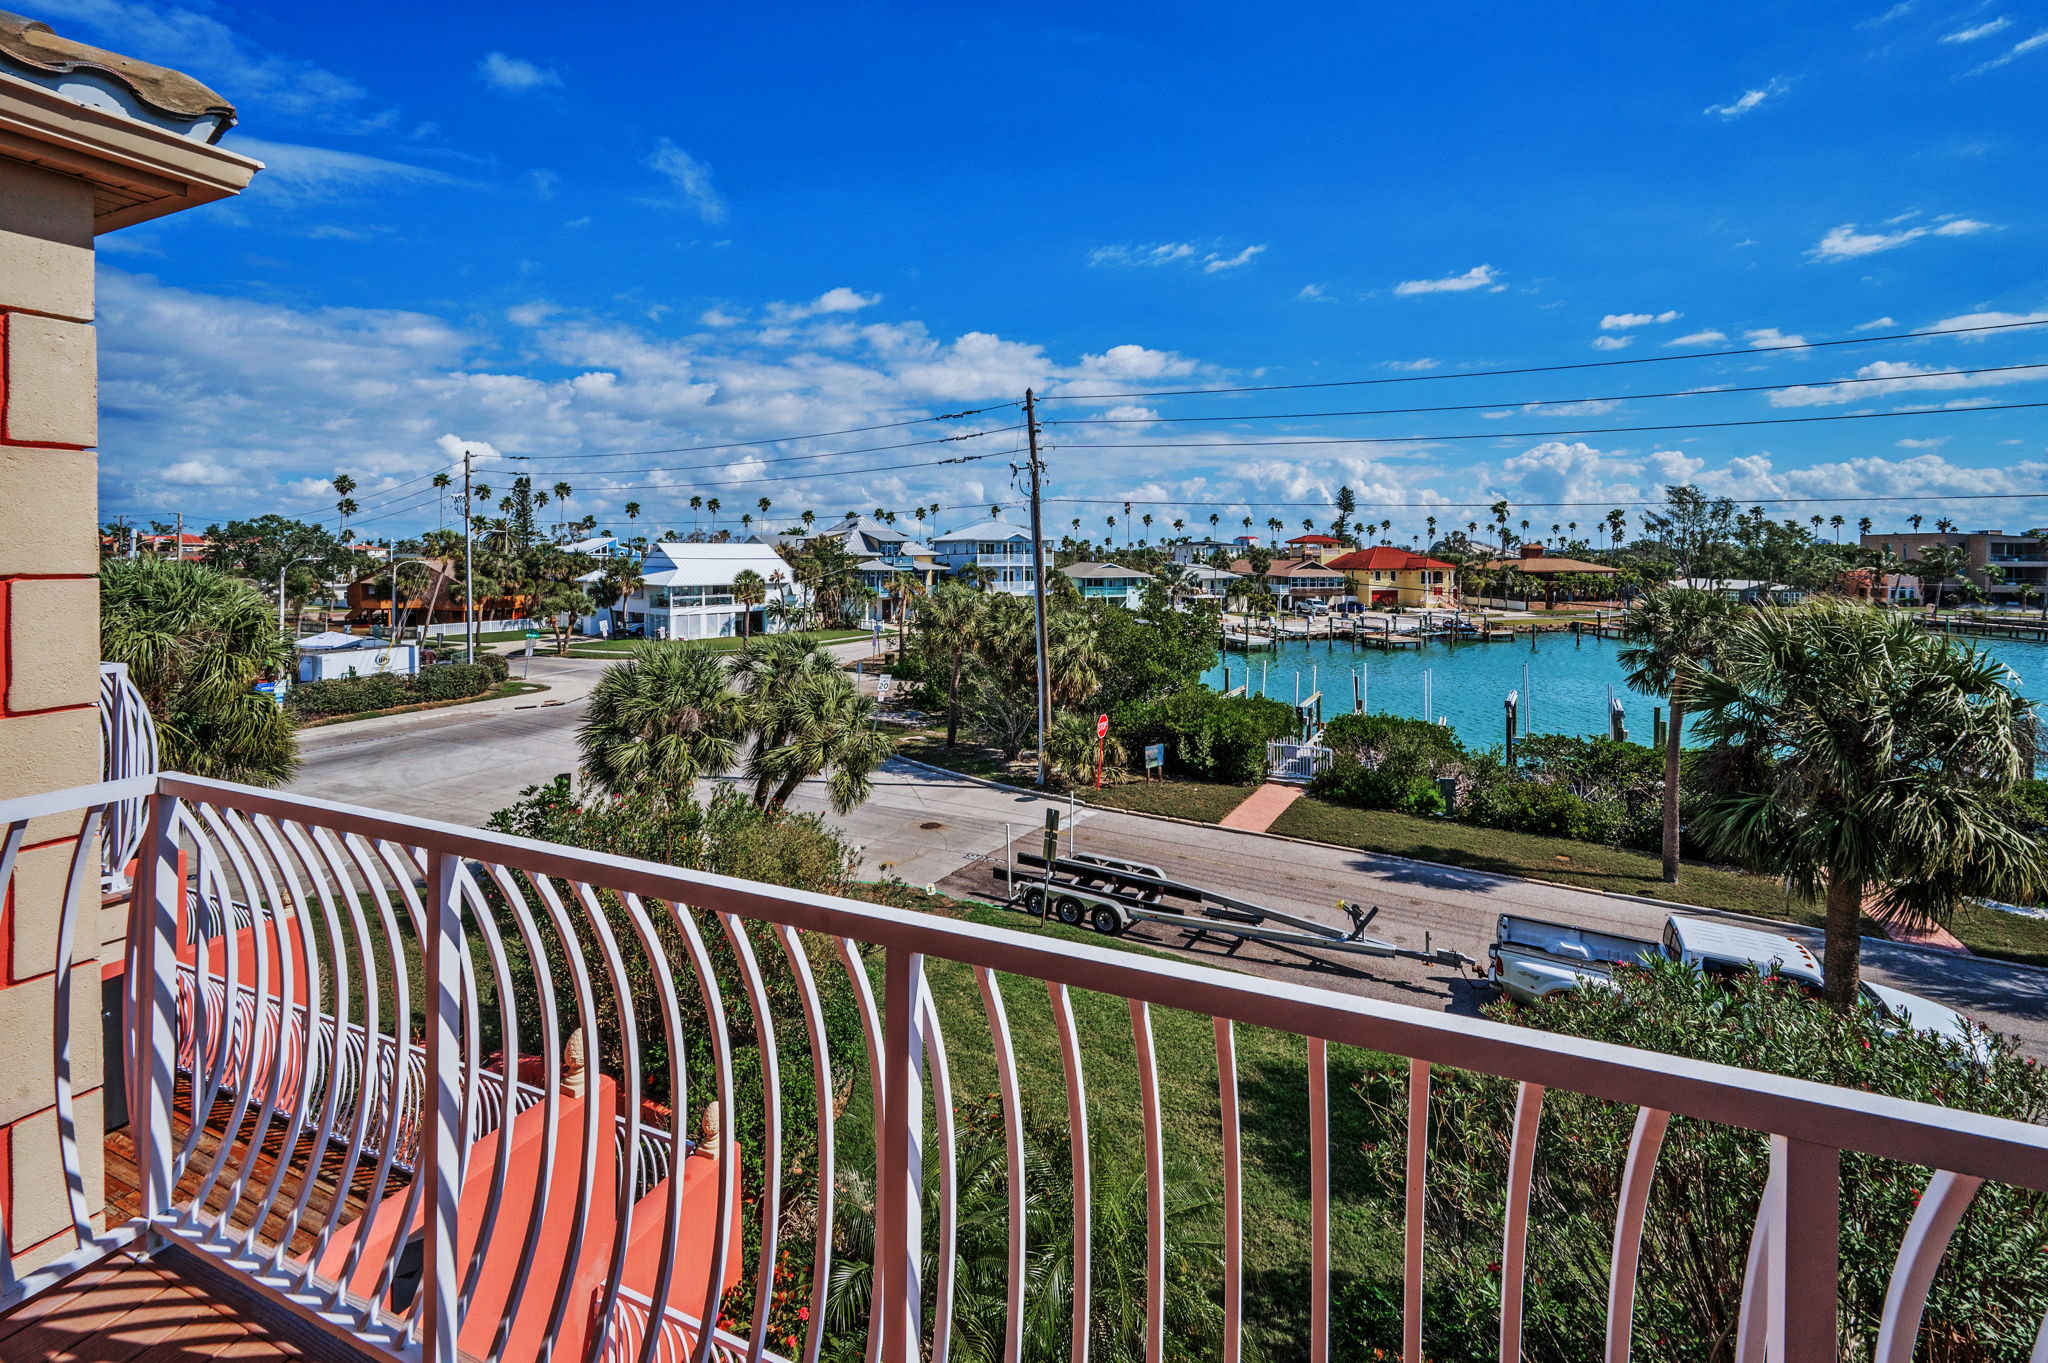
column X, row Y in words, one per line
column 1985, row 931
column 581, row 647
column 1203, row 801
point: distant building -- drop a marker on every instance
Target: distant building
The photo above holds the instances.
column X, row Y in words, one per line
column 998, row 549
column 1315, row 546
column 1207, row 583
column 885, row 553
column 686, row 592
column 1108, row 582
column 1386, row 576
column 329, row 657
column 1195, row 551
column 1294, row 581
column 2021, row 560
column 1746, row 590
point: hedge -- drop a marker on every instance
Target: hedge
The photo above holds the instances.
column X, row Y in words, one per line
column 387, row 690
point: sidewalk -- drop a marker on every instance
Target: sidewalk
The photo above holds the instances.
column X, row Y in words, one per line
column 1261, row 807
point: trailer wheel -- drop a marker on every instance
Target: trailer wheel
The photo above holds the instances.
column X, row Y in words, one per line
column 1069, row 909
column 1106, row 921
column 1034, row 900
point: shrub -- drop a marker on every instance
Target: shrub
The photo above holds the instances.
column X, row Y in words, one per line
column 452, row 681
column 1348, row 781
column 1207, row 736
column 496, row 664
column 1369, row 737
column 348, row 695
column 1521, row 805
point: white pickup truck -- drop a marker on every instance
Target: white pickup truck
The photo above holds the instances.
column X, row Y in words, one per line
column 1531, row 959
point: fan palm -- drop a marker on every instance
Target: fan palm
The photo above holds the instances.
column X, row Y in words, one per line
column 1666, row 630
column 657, row 722
column 1883, row 754
column 196, row 642
column 825, row 727
column 749, row 589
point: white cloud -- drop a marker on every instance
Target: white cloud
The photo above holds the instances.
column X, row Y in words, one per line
column 529, row 314
column 297, row 172
column 1930, row 443
column 1707, row 337
column 1590, row 407
column 1478, row 277
column 1976, row 31
column 1411, row 366
column 1612, row 342
column 1769, row 338
column 833, row 302
column 691, row 177
column 1749, row 99
column 1210, row 260
column 1312, row 293
column 1898, row 11
column 1876, row 324
column 1897, row 376
column 1616, row 321
column 2013, row 53
column 514, row 75
column 1986, row 319
column 1846, row 243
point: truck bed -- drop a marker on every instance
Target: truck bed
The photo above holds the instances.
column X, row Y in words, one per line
column 1581, row 946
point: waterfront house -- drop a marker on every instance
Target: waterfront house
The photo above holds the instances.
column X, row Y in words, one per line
column 1533, row 560
column 1320, row 547
column 2020, row 560
column 1386, row 576
column 1108, row 582
column 1201, row 551
column 883, row 555
column 1294, row 581
column 997, row 551
column 686, row 592
column 1204, row 583
column 1749, row 591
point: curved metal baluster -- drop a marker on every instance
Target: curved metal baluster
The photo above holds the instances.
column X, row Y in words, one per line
column 949, row 1175
column 871, row 1030
column 1013, row 1155
column 85, row 859
column 2040, row 1353
column 1416, row 1181
column 1155, row 1184
column 1636, row 1177
column 821, row 1070
column 403, row 865
column 468, row 892
column 629, row 1103
column 1319, row 1199
column 728, row 1175
column 551, row 1086
column 678, row 1087
column 1077, row 1119
column 206, row 1074
column 771, row 1094
column 1515, row 1235
column 586, row 1012
column 1754, row 1323
column 1942, row 1204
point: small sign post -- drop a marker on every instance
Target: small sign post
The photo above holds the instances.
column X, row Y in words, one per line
column 1101, row 736
column 882, row 686
column 1155, row 760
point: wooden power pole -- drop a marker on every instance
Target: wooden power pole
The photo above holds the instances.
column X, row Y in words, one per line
column 1038, row 601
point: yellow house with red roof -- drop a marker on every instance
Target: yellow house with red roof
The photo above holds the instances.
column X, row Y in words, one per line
column 1386, row 576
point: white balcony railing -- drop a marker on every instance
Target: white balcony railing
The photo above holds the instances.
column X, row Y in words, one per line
column 286, row 954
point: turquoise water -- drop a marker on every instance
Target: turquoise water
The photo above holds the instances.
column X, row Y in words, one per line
column 1568, row 681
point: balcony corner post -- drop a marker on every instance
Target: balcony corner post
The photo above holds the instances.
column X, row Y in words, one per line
column 153, row 913
column 441, row 1153
column 1803, row 1287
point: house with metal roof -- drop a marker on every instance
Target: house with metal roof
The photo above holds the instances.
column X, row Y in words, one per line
column 686, row 592
column 1108, row 582
column 995, row 551
column 886, row 557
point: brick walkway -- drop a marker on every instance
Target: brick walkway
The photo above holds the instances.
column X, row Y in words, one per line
column 1262, row 807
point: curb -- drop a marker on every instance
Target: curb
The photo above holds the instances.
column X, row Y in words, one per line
column 1667, row 904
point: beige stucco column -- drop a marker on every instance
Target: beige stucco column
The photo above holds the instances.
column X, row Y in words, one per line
column 90, row 141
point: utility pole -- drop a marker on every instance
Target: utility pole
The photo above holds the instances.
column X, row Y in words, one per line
column 181, row 535
column 1038, row 581
column 468, row 567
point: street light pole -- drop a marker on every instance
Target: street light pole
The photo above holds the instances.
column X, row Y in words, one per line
column 280, row 589
column 468, row 567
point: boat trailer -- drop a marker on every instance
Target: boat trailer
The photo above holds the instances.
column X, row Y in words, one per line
column 1110, row 895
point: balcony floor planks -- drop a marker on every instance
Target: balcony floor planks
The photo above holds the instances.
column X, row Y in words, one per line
column 128, row 1310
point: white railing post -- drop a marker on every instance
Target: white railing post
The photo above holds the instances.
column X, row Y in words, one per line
column 440, row 1140
column 899, row 1181
column 1803, row 1286
column 153, row 908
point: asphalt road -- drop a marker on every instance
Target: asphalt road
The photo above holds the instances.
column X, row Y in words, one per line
column 460, row 764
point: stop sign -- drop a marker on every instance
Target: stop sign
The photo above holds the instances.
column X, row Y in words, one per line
column 1101, row 725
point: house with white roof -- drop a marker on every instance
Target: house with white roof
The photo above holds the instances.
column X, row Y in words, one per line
column 686, row 592
column 885, row 557
column 998, row 550
column 1108, row 582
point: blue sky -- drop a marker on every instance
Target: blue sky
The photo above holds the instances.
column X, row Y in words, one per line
column 661, row 228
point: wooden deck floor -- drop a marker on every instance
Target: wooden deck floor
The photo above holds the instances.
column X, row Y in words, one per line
column 129, row 1311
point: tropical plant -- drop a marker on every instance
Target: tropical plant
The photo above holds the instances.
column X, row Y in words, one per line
column 946, row 629
column 660, row 720
column 1938, row 565
column 196, row 642
column 1667, row 631
column 749, row 589
column 1884, row 755
column 819, row 724
column 1072, row 748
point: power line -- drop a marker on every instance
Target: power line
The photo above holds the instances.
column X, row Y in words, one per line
column 1546, row 368
column 1528, row 435
column 1514, row 502
column 1541, row 402
column 774, row 440
column 794, row 458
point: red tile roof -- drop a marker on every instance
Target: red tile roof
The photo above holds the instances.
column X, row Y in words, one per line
column 1314, row 539
column 1386, row 558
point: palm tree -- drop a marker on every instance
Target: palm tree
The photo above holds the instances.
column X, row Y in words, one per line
column 196, row 642
column 343, row 486
column 827, row 728
column 711, row 504
column 441, row 484
column 632, row 511
column 762, row 506
column 946, row 629
column 1939, row 564
column 562, row 493
column 1885, row 753
column 661, row 720
column 1668, row 631
column 749, row 589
